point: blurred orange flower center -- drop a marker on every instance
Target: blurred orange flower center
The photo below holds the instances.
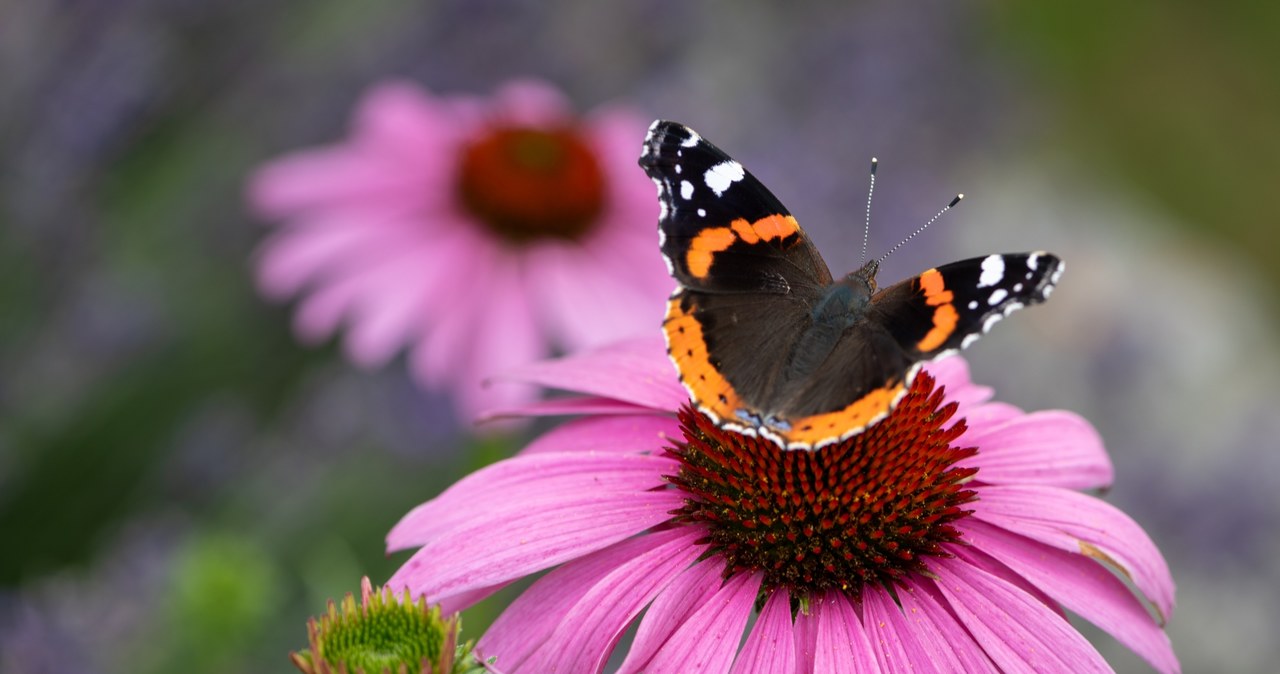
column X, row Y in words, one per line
column 529, row 184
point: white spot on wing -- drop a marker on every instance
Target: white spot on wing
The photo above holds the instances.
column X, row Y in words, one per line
column 992, row 271
column 686, row 190
column 1033, row 261
column 973, row 304
column 692, row 139
column 997, row 296
column 702, row 212
column 722, row 175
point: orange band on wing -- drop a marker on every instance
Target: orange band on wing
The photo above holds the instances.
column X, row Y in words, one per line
column 688, row 349
column 859, row 413
column 708, row 242
column 704, row 247
column 945, row 316
column 771, row 227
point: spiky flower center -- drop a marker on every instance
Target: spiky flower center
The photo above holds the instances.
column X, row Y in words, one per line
column 867, row 510
column 383, row 633
column 528, row 183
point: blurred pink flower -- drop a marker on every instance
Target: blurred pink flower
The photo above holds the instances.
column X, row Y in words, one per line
column 478, row 234
column 915, row 546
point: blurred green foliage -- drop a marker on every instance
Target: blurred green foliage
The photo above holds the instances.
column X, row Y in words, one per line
column 1180, row 100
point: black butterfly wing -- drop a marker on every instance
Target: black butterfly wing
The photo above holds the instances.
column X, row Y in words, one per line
column 731, row 349
column 919, row 319
column 948, row 307
column 722, row 230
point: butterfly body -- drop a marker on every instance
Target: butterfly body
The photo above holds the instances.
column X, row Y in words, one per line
column 762, row 336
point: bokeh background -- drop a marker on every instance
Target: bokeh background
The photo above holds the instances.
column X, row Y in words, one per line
column 182, row 483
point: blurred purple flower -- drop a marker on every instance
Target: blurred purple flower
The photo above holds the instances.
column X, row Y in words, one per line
column 478, row 234
column 915, row 546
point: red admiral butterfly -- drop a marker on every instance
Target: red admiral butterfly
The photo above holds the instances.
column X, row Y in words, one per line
column 762, row 336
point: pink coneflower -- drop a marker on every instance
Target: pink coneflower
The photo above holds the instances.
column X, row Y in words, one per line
column 475, row 233
column 950, row 537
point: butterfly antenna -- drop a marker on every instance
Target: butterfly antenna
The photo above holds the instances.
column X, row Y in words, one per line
column 923, row 227
column 866, row 231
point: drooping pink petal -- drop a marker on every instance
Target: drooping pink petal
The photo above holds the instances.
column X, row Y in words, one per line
column 842, row 646
column 949, row 645
column 571, row 618
column 771, row 647
column 1053, row 448
column 707, row 641
column 590, row 503
column 1083, row 586
column 634, row 371
column 1015, row 629
column 623, row 434
column 1081, row 524
column 685, row 595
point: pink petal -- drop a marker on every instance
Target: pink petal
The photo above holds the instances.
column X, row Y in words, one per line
column 623, row 434
column 770, row 648
column 707, row 641
column 335, row 243
column 566, row 407
column 531, row 102
column 634, row 371
column 1053, row 448
column 991, row 566
column 893, row 641
column 465, row 600
column 685, row 595
column 506, row 337
column 338, row 176
column 1083, row 586
column 579, row 504
column 979, row 418
column 400, row 118
column 948, row 644
column 436, row 360
column 1081, row 524
column 576, row 613
column 549, row 479
column 587, row 300
column 842, row 646
column 806, row 632
column 359, row 292
column 953, row 373
column 1017, row 631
